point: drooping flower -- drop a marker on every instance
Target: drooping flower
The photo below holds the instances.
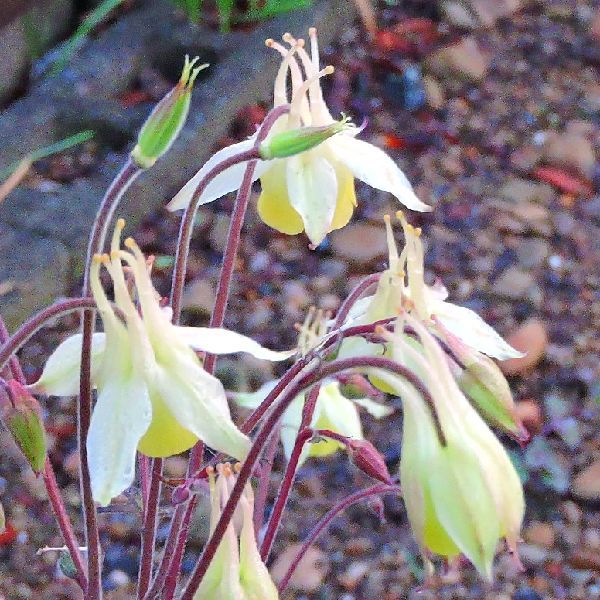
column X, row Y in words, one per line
column 333, row 411
column 403, row 285
column 236, row 572
column 153, row 394
column 461, row 491
column 312, row 191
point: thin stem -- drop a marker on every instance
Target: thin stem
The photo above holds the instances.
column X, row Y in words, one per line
column 284, row 492
column 304, row 434
column 149, row 528
column 103, row 218
column 170, row 564
column 64, row 523
column 264, row 478
column 302, row 383
column 14, row 367
column 362, row 287
column 376, row 490
column 20, row 337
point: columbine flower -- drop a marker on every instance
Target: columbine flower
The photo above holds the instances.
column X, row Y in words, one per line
column 153, row 394
column 314, row 190
column 461, row 491
column 236, row 572
column 333, row 411
column 403, row 285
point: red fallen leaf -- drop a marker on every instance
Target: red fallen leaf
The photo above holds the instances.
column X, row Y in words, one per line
column 8, row 536
column 421, row 25
column 563, row 181
column 411, row 36
column 394, row 142
column 61, row 430
column 134, row 97
column 389, row 41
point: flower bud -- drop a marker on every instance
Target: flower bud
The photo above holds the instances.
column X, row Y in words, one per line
column 485, row 386
column 166, row 120
column 21, row 414
column 369, row 460
column 180, row 494
column 295, row 141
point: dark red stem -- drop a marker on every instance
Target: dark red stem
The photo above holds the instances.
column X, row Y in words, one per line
column 300, row 385
column 64, row 523
column 363, row 286
column 376, row 490
column 105, row 213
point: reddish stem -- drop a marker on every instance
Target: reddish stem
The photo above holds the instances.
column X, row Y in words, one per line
column 149, row 528
column 346, row 306
column 345, row 503
column 170, row 564
column 20, row 337
column 264, row 478
column 304, row 434
column 14, row 367
column 64, row 522
column 300, row 385
column 105, row 213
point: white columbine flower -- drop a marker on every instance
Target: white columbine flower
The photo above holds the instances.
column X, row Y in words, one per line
column 312, row 191
column 403, row 285
column 153, row 394
column 333, row 410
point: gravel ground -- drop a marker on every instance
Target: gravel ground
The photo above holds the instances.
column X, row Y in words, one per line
column 498, row 128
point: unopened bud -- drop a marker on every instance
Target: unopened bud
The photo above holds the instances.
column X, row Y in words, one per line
column 295, row 141
column 180, row 494
column 166, row 120
column 482, row 381
column 21, row 414
column 369, row 460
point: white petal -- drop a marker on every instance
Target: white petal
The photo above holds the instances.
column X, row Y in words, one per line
column 61, row 372
column 312, row 189
column 468, row 326
column 253, row 399
column 290, row 424
column 375, row 409
column 225, row 182
column 373, row 166
column 121, row 417
column 337, row 412
column 197, row 400
column 224, row 341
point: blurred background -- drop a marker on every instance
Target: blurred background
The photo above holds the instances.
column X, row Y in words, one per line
column 492, row 109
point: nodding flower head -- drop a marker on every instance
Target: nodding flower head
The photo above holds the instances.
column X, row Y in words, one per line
column 236, row 572
column 313, row 190
column 461, row 491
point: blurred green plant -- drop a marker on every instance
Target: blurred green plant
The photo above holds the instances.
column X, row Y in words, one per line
column 72, row 45
column 230, row 12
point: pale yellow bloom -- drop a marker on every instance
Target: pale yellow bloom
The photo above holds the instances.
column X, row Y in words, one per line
column 312, row 191
column 236, row 572
column 462, row 493
column 153, row 394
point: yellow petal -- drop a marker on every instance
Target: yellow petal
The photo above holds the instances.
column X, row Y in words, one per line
column 274, row 206
column 165, row 436
column 346, row 200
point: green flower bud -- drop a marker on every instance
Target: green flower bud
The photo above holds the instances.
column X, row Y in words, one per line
column 21, row 414
column 295, row 141
column 166, row 120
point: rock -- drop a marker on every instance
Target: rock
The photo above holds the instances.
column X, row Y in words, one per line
column 586, row 485
column 34, row 272
column 540, row 534
column 464, row 59
column 585, row 560
column 532, row 556
column 309, row 573
column 514, row 283
column 199, row 295
column 489, row 11
column 519, row 190
column 353, row 575
column 457, row 14
column 570, row 150
column 523, row 217
column 434, row 93
column 531, row 337
column 360, row 242
column 532, row 252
